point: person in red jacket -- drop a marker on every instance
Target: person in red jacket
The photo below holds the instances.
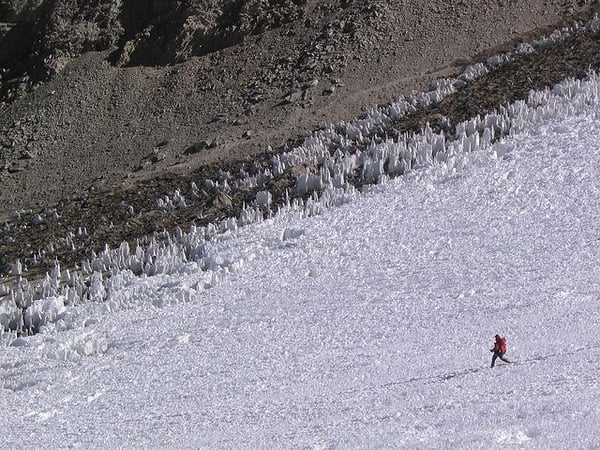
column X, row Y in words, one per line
column 499, row 350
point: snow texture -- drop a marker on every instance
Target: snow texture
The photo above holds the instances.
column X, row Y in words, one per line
column 351, row 321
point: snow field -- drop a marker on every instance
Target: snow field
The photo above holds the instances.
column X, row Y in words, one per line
column 367, row 326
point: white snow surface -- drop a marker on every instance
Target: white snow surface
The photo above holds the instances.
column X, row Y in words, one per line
column 366, row 326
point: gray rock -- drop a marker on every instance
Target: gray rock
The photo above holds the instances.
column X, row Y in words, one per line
column 27, row 155
column 204, row 145
column 216, row 142
column 293, row 97
column 311, row 83
column 157, row 157
column 19, row 166
column 196, row 148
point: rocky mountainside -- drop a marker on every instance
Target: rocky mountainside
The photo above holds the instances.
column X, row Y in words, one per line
column 106, row 102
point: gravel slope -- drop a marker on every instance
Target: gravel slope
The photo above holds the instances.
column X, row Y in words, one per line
column 97, row 124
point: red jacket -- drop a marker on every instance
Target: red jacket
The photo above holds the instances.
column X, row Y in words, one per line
column 500, row 344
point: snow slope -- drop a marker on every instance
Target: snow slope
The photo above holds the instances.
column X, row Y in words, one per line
column 366, row 326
